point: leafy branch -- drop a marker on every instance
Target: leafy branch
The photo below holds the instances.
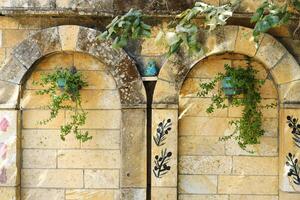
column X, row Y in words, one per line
column 127, row 27
column 63, row 88
column 248, row 129
column 295, row 126
column 183, row 31
column 161, row 163
column 163, row 129
column 294, row 170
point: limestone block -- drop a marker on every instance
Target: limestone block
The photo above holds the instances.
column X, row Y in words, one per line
column 255, row 165
column 268, row 147
column 30, row 119
column 52, row 178
column 240, row 185
column 165, row 92
column 133, row 194
column 202, row 197
column 95, row 159
column 43, row 194
column 190, row 87
column 100, row 99
column 47, row 139
column 9, row 193
column 270, row 44
column 201, row 145
column 86, row 62
column 99, row 80
column 12, row 71
column 12, row 37
column 245, row 43
column 101, row 179
column 289, row 92
column 51, row 62
column 95, row 5
column 163, row 193
column 270, row 126
column 286, row 70
column 38, row 158
column 8, row 22
column 68, row 36
column 269, row 90
column 103, row 139
column 288, row 196
column 134, row 149
column 205, row 126
column 197, row 184
column 205, row 165
column 164, row 148
column 253, row 197
column 106, row 119
column 9, row 94
column 92, row 194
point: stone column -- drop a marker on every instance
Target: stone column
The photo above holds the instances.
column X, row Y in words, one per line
column 164, row 154
column 9, row 155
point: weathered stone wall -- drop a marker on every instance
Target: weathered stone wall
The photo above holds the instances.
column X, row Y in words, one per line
column 209, row 168
column 72, row 170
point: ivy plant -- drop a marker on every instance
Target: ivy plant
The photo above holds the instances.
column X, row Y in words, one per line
column 63, row 87
column 127, row 27
column 269, row 15
column 183, row 31
column 248, row 129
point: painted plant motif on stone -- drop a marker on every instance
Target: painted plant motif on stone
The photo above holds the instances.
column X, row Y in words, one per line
column 295, row 126
column 294, row 168
column 3, row 152
column 4, row 124
column 161, row 163
column 162, row 131
column 3, row 176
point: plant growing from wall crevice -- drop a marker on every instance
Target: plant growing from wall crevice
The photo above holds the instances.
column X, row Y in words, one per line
column 248, row 129
column 125, row 28
column 63, row 87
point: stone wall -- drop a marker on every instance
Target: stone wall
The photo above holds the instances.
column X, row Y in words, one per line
column 71, row 169
column 213, row 169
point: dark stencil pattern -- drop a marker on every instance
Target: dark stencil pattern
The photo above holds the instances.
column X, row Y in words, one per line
column 161, row 163
column 162, row 131
column 295, row 126
column 294, row 171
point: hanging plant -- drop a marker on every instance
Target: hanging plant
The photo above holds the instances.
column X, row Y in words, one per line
column 183, row 31
column 127, row 27
column 63, row 87
column 243, row 81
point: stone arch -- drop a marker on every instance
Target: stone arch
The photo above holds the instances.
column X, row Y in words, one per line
column 121, row 67
column 284, row 69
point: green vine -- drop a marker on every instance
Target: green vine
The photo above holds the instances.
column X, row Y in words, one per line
column 183, row 31
column 248, row 129
column 127, row 27
column 63, row 87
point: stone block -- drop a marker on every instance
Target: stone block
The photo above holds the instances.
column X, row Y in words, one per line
column 240, row 185
column 35, row 158
column 12, row 71
column 288, row 196
column 286, row 70
column 197, row 184
column 253, row 197
column 99, row 80
column 89, row 159
column 86, row 62
column 9, row 193
column 245, row 43
column 289, row 92
column 270, row 44
column 201, row 145
column 190, row 88
column 101, row 179
column 255, row 165
column 100, row 99
column 133, row 148
column 42, row 194
column 90, row 194
column 52, row 178
column 8, row 22
column 205, row 165
column 133, row 194
column 48, row 139
column 68, row 37
column 202, row 197
column 205, row 126
column 12, row 38
column 58, row 60
column 165, row 93
column 103, row 139
column 163, row 193
column 30, row 119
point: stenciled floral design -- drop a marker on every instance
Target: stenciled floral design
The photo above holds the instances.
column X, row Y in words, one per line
column 161, row 163
column 294, row 168
column 3, row 176
column 162, row 130
column 4, row 124
column 295, row 126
